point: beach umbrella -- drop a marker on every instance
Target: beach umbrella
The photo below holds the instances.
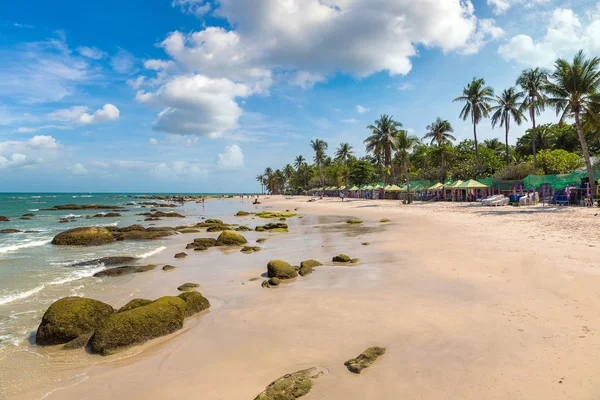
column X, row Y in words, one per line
column 394, row 188
column 353, row 188
column 472, row 184
column 369, row 187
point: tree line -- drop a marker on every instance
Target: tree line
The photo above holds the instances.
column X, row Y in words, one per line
column 571, row 89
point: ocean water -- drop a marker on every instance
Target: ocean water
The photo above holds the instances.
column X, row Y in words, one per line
column 34, row 273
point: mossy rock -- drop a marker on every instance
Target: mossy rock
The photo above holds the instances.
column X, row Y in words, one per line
column 214, row 221
column 90, row 236
column 187, row 287
column 274, row 281
column 69, row 318
column 385, row 221
column 181, row 255
column 135, row 303
column 250, row 249
column 261, row 240
column 4, row 219
column 310, row 263
column 274, row 214
column 242, row 213
column 253, row 279
column 147, row 234
column 218, row 228
column 342, row 258
column 355, row 261
column 280, row 269
column 259, row 229
column 194, row 303
column 208, row 242
column 200, row 248
column 290, row 386
column 243, row 228
column 282, row 219
column 231, row 238
column 9, row 231
column 265, row 284
column 365, row 359
column 303, row 271
column 366, row 244
column 167, row 268
column 279, row 230
column 189, row 230
column 79, row 342
column 354, row 221
column 126, row 270
column 122, row 330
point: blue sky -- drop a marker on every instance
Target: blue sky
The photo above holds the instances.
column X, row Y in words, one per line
column 202, row 95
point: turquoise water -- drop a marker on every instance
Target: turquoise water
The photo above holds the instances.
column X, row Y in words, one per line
column 34, row 273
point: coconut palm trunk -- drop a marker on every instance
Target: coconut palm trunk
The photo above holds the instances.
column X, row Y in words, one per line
column 586, row 153
column 507, row 123
column 533, row 135
column 478, row 171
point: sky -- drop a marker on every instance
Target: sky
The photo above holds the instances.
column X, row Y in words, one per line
column 203, row 95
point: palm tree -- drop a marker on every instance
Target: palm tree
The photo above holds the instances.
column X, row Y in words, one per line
column 261, row 179
column 343, row 152
column 439, row 133
column 477, row 98
column 405, row 144
column 319, row 147
column 574, row 91
column 288, row 171
column 299, row 161
column 533, row 82
column 508, row 106
column 383, row 140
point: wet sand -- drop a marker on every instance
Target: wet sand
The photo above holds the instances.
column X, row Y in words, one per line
column 471, row 303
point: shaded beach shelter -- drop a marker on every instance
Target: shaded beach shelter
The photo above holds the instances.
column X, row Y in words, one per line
column 437, row 186
column 354, row 188
column 369, row 187
column 394, row 188
column 472, row 184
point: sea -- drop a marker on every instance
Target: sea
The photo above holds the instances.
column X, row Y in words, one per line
column 34, row 273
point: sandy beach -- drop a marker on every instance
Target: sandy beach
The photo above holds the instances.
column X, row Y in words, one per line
column 470, row 302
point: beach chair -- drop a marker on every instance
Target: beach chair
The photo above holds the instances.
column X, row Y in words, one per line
column 490, row 200
column 502, row 201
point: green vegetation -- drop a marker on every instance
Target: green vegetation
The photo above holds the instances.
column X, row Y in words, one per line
column 194, row 303
column 242, row 213
column 365, row 359
column 70, row 317
column 135, row 303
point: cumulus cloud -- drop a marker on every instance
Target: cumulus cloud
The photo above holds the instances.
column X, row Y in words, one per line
column 196, row 7
column 501, row 6
column 91, row 52
column 487, row 31
column 231, row 158
column 136, row 83
column 16, row 154
column 78, row 169
column 79, row 115
column 361, row 110
column 179, row 170
column 196, row 105
column 107, row 113
column 565, row 36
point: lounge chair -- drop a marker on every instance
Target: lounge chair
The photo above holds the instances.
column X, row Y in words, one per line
column 489, row 200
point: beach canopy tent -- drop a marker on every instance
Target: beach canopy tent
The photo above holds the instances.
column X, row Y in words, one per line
column 437, row 186
column 387, row 187
column 369, row 187
column 557, row 181
column 472, row 184
column 454, row 185
column 354, row 188
column 394, row 188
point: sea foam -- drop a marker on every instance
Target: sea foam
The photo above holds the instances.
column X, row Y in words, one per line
column 24, row 245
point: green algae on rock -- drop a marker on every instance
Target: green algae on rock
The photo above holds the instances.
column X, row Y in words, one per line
column 231, row 238
column 69, row 318
column 253, row 279
column 385, row 221
column 243, row 228
column 121, row 330
column 343, row 258
column 261, row 240
column 78, row 342
column 181, row 255
column 280, row 269
column 168, row 268
column 290, row 386
column 126, row 270
column 194, row 303
column 354, row 221
column 87, row 236
column 250, row 249
column 186, row 287
column 365, row 359
column 242, row 213
column 274, row 214
column 274, row 281
column 135, row 303
column 310, row 263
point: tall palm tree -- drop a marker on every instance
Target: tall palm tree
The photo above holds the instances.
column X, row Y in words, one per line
column 288, row 171
column 574, row 91
column 439, row 133
column 477, row 98
column 533, row 81
column 299, row 161
column 319, row 146
column 343, row 152
column 508, row 105
column 405, row 143
column 383, row 140
column 261, row 179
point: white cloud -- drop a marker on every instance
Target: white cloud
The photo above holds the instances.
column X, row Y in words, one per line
column 78, row 169
column 70, row 114
column 406, row 86
column 107, row 113
column 91, row 52
column 361, row 110
column 37, row 150
column 25, row 129
column 564, row 37
column 306, row 80
column 349, row 121
column 179, row 170
column 158, row 65
column 123, row 62
column 231, row 158
column 487, row 31
column 501, row 6
column 197, row 105
column 136, row 83
column 196, row 7
column 153, row 141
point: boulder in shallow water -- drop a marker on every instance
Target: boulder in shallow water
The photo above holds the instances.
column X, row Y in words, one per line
column 385, row 221
column 274, row 281
column 250, row 249
column 9, row 231
column 194, row 303
column 181, row 255
column 126, row 270
column 242, row 213
column 168, row 268
column 214, row 221
column 135, row 303
column 186, row 287
column 354, row 221
column 69, row 318
column 121, row 330
column 87, row 236
column 280, row 269
column 290, row 386
column 4, row 219
column 261, row 240
column 342, row 258
column 78, row 342
column 231, row 238
column 107, row 261
column 310, row 264
column 365, row 359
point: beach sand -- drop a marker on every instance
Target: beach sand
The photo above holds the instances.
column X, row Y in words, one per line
column 470, row 302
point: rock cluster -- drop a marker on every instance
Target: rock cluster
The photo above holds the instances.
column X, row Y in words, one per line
column 290, row 386
column 272, row 227
column 365, row 359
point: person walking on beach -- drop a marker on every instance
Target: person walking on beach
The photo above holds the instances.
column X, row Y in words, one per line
column 342, row 196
